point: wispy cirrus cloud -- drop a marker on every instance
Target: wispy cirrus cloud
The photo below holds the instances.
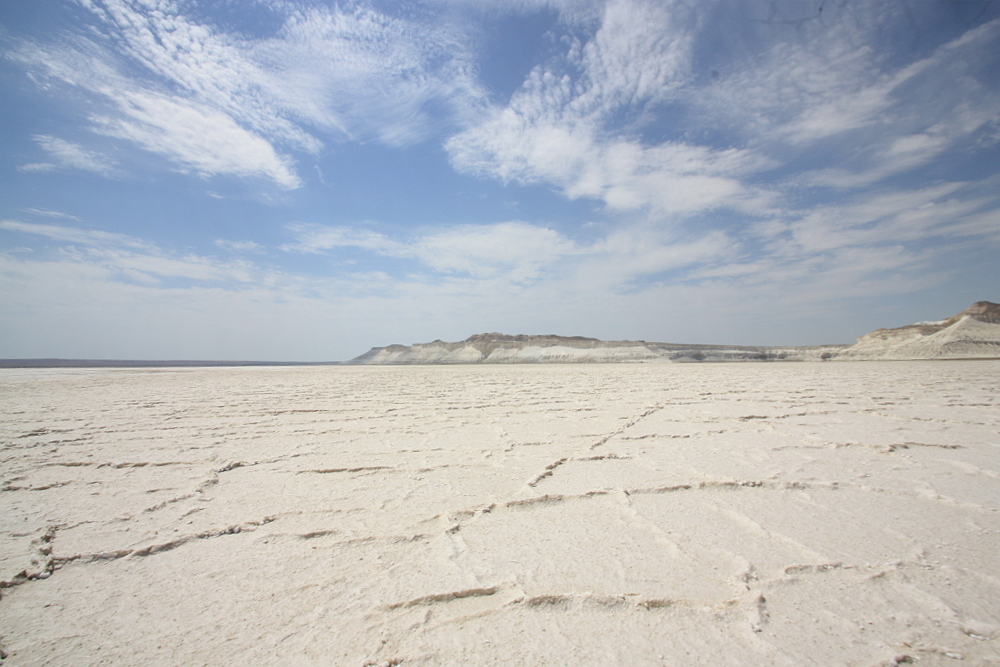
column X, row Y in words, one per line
column 313, row 239
column 364, row 75
column 48, row 213
column 67, row 234
column 130, row 256
column 516, row 251
column 891, row 218
column 70, row 155
column 625, row 116
column 240, row 246
column 216, row 102
column 197, row 138
column 564, row 126
column 833, row 95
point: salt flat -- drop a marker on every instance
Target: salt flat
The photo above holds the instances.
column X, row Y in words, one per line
column 619, row 514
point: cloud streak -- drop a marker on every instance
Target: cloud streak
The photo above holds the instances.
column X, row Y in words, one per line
column 131, row 257
column 69, row 155
column 517, row 251
column 219, row 103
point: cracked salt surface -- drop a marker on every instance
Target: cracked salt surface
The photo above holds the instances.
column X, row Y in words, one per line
column 806, row 514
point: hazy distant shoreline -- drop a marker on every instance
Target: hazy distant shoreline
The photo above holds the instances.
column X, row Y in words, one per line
column 143, row 363
column 972, row 334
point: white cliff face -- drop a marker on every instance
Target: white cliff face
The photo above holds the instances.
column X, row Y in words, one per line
column 514, row 353
column 501, row 349
column 972, row 334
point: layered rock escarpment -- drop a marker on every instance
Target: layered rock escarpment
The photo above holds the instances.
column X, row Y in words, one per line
column 496, row 348
column 972, row 334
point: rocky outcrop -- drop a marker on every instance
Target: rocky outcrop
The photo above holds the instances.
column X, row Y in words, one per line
column 972, row 334
column 496, row 348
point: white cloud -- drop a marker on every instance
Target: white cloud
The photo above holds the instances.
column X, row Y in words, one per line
column 239, row 246
column 197, row 63
column 627, row 115
column 888, row 119
column 132, row 257
column 576, row 121
column 198, row 138
column 631, row 253
column 672, row 177
column 37, row 167
column 901, row 217
column 50, row 214
column 564, row 129
column 191, row 267
column 900, row 226
column 319, row 238
column 515, row 250
column 366, row 75
column 73, row 234
column 215, row 102
column 70, row 155
column 122, row 305
column 519, row 251
column 897, row 153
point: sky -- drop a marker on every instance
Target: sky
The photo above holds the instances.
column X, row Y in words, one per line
column 301, row 180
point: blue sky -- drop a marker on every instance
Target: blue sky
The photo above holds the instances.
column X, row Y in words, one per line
column 302, row 180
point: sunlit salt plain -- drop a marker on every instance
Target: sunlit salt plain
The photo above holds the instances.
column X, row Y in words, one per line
column 621, row 514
